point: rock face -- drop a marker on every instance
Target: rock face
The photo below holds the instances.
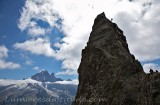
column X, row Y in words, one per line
column 44, row 76
column 109, row 74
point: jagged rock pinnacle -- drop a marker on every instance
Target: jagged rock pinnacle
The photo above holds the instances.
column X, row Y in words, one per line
column 44, row 76
column 108, row 71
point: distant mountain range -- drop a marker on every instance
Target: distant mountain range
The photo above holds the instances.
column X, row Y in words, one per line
column 40, row 89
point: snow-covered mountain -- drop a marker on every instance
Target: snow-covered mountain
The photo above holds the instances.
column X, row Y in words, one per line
column 33, row 92
column 44, row 76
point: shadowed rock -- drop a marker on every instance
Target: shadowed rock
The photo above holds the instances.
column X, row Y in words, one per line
column 44, row 76
column 109, row 74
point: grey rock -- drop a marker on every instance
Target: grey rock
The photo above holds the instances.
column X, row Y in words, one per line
column 44, row 76
column 109, row 74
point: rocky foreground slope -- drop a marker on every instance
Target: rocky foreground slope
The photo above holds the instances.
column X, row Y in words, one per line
column 109, row 74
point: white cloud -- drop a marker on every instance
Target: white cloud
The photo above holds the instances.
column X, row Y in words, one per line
column 5, row 64
column 67, row 72
column 3, row 52
column 37, row 68
column 29, row 62
column 32, row 12
column 57, row 45
column 68, row 64
column 74, row 82
column 152, row 66
column 36, row 31
column 138, row 19
column 8, row 65
column 36, row 46
column 142, row 33
column 141, row 30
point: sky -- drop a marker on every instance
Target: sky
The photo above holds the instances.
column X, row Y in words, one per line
column 38, row 35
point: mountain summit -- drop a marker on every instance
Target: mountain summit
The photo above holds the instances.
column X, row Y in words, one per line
column 109, row 74
column 44, row 76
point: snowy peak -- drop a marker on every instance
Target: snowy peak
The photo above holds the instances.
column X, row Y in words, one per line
column 32, row 89
column 44, row 76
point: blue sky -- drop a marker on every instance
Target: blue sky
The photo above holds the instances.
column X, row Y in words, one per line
column 11, row 34
column 49, row 35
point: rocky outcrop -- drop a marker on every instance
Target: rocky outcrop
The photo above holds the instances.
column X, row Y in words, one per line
column 109, row 74
column 44, row 76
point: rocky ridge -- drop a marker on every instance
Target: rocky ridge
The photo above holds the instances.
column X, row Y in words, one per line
column 44, row 76
column 109, row 74
column 37, row 90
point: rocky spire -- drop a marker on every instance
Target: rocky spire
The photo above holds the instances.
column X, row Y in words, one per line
column 108, row 71
column 44, row 76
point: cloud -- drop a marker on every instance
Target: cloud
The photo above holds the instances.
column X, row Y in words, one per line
column 3, row 52
column 8, row 65
column 73, row 82
column 35, row 11
column 149, row 66
column 37, row 68
column 5, row 64
column 68, row 64
column 36, row 46
column 67, row 72
column 140, row 23
column 36, row 31
column 29, row 62
column 141, row 30
column 57, row 45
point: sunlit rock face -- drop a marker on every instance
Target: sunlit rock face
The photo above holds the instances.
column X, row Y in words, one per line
column 109, row 74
